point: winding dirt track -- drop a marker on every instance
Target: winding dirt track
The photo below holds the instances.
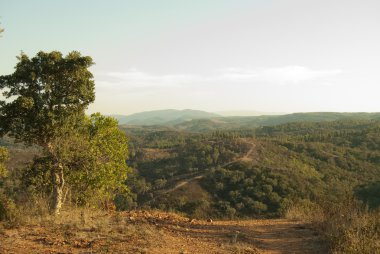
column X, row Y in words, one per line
column 182, row 183
column 245, row 157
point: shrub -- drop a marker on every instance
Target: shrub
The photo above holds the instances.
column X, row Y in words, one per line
column 8, row 211
column 304, row 210
column 347, row 226
column 350, row 228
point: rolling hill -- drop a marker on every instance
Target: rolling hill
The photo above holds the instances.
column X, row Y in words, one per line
column 200, row 121
column 164, row 117
column 247, row 122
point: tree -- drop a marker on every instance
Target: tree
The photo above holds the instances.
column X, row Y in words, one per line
column 45, row 102
column 101, row 160
column 8, row 210
column 93, row 158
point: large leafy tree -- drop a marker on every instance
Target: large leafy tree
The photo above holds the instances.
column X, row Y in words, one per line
column 94, row 161
column 45, row 102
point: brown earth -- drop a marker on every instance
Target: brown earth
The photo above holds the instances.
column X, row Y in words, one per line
column 157, row 232
column 156, row 154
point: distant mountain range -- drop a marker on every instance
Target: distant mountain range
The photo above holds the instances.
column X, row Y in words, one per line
column 196, row 120
column 164, row 117
column 248, row 113
column 246, row 122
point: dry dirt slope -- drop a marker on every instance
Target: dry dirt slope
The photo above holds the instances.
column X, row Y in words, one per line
column 157, row 232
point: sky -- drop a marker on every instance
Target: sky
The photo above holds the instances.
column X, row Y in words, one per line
column 212, row 55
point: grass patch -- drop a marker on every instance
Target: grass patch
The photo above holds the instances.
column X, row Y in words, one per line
column 348, row 226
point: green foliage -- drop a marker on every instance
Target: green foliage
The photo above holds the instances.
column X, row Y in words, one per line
column 247, row 123
column 46, row 95
column 107, row 154
column 194, row 154
column 45, row 102
column 305, row 161
column 369, row 194
column 9, row 213
column 94, row 159
column 4, row 156
column 8, row 210
column 253, row 191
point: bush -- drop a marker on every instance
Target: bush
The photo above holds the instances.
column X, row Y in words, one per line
column 304, row 210
column 347, row 226
column 351, row 228
column 4, row 156
column 8, row 211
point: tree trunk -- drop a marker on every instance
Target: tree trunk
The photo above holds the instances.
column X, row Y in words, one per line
column 58, row 184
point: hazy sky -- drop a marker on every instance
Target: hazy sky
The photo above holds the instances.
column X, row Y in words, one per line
column 214, row 55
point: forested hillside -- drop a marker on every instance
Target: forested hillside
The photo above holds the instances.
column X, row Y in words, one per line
column 252, row 172
column 258, row 171
column 200, row 121
column 291, row 169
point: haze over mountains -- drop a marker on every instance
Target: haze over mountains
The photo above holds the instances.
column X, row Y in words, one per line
column 247, row 113
column 196, row 120
column 164, row 117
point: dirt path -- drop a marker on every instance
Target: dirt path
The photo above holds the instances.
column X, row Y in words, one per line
column 158, row 232
column 245, row 157
column 250, row 236
column 183, row 183
column 250, row 152
column 278, row 236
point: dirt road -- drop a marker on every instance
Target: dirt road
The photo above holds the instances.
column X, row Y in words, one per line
column 158, row 232
column 250, row 236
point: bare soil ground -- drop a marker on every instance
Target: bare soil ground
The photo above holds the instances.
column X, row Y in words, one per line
column 157, row 232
